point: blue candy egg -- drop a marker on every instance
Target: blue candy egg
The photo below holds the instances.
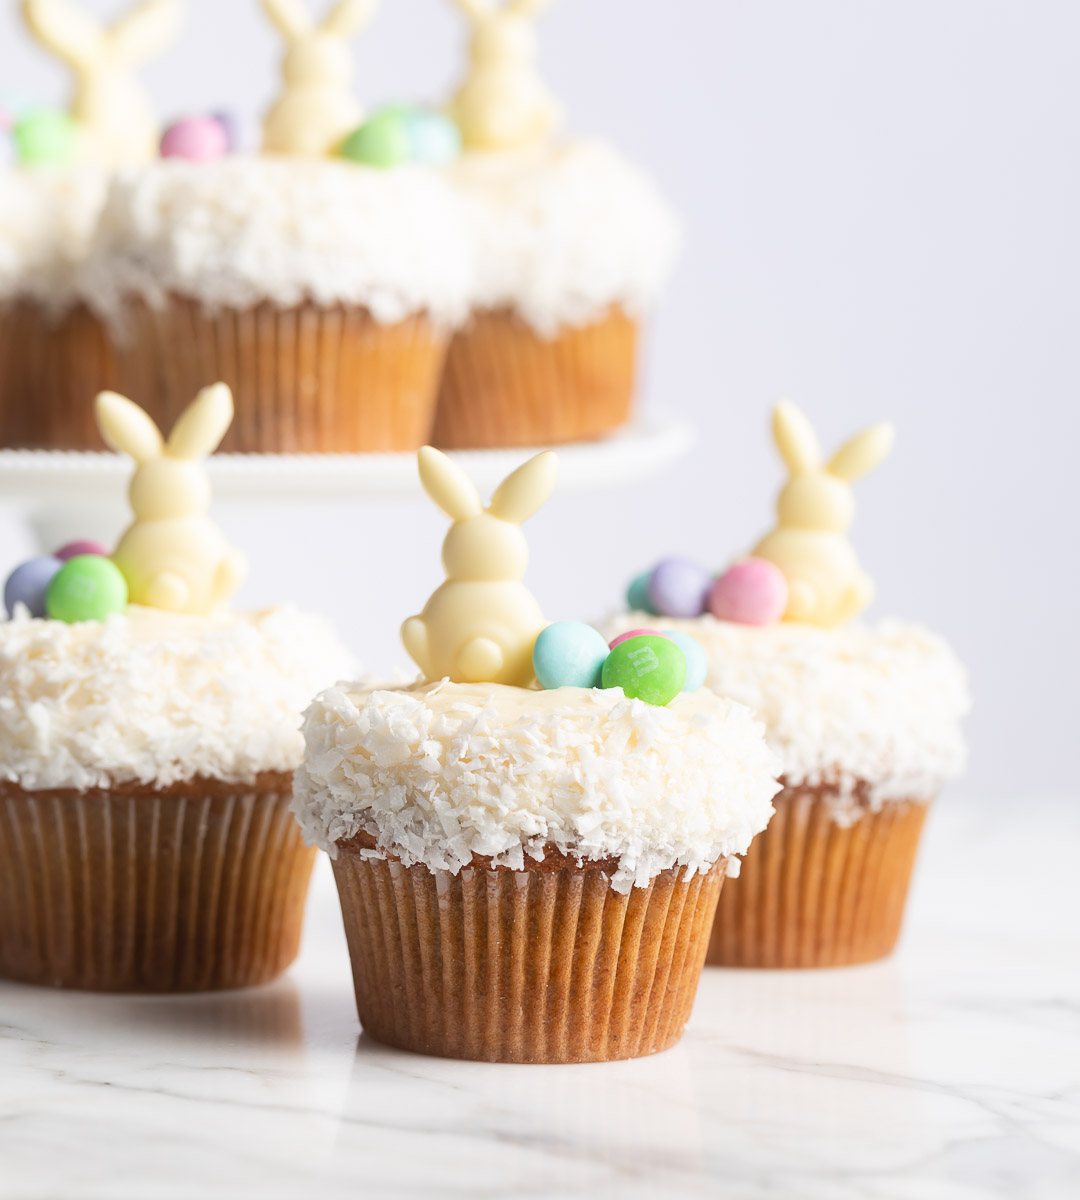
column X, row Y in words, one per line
column 29, row 582
column 637, row 594
column 435, row 139
column 569, row 654
column 679, row 588
column 697, row 665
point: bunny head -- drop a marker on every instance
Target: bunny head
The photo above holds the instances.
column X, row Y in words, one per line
column 486, row 544
column 818, row 495
column 503, row 32
column 172, row 555
column 115, row 118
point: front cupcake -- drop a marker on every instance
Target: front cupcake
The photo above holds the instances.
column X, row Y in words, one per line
column 864, row 719
column 573, row 246
column 147, row 743
column 527, row 875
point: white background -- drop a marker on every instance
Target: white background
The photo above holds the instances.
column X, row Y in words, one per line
column 880, row 202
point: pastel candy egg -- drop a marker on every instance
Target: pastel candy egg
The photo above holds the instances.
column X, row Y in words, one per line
column 649, row 668
column 617, row 641
column 83, row 546
column 29, row 583
column 679, row 588
column 198, row 139
column 230, row 126
column 752, row 592
column 384, row 141
column 697, row 665
column 86, row 588
column 46, row 137
column 435, row 139
column 637, row 594
column 569, row 654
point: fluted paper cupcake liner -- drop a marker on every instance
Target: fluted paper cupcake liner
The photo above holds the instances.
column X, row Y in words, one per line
column 304, row 380
column 505, row 385
column 194, row 887
column 544, row 965
column 51, row 367
column 815, row 892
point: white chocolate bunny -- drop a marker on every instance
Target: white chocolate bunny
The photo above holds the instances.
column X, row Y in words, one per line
column 480, row 625
column 114, row 116
column 316, row 110
column 814, row 511
column 173, row 556
column 503, row 103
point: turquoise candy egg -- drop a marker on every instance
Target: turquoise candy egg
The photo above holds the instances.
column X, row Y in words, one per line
column 435, row 138
column 569, row 654
column 29, row 582
column 384, row 141
column 650, row 668
column 637, row 594
column 697, row 665
column 46, row 137
column 86, row 588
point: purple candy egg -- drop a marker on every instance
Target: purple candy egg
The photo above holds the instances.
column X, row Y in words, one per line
column 28, row 584
column 231, row 125
column 679, row 588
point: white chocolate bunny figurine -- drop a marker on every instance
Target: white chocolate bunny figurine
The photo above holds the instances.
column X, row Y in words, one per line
column 316, row 110
column 480, row 625
column 814, row 512
column 173, row 556
column 503, row 103
column 114, row 116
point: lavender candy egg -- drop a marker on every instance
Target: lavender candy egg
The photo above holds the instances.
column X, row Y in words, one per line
column 697, row 664
column 679, row 588
column 29, row 583
column 230, row 124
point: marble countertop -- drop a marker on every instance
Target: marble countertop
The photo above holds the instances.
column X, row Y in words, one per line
column 950, row 1071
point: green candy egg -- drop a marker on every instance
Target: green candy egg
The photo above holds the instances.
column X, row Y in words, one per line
column 384, row 141
column 650, row 668
column 86, row 588
column 45, row 137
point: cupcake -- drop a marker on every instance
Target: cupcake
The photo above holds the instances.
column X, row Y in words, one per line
column 54, row 351
column 865, row 720
column 527, row 873
column 147, row 743
column 573, row 245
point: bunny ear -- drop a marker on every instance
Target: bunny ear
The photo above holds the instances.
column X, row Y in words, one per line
column 862, row 453
column 795, row 439
column 476, row 9
column 66, row 30
column 527, row 8
column 447, row 484
column 521, row 493
column 201, row 426
column 126, row 428
column 290, row 16
column 349, row 16
column 145, row 31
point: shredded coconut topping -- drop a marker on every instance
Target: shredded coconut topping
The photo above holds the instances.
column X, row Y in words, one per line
column 243, row 230
column 47, row 219
column 562, row 235
column 876, row 706
column 150, row 696
column 440, row 772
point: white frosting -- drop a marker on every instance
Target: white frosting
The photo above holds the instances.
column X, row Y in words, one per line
column 878, row 707
column 150, row 696
column 564, row 233
column 47, row 219
column 248, row 229
column 440, row 772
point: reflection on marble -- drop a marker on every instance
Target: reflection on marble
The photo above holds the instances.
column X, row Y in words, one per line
column 951, row 1071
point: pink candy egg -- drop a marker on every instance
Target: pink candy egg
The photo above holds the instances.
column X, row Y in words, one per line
column 752, row 592
column 635, row 633
column 84, row 546
column 199, row 139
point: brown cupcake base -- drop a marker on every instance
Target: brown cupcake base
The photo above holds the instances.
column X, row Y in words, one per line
column 194, row 887
column 815, row 893
column 543, row 965
column 505, row 385
column 305, row 380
